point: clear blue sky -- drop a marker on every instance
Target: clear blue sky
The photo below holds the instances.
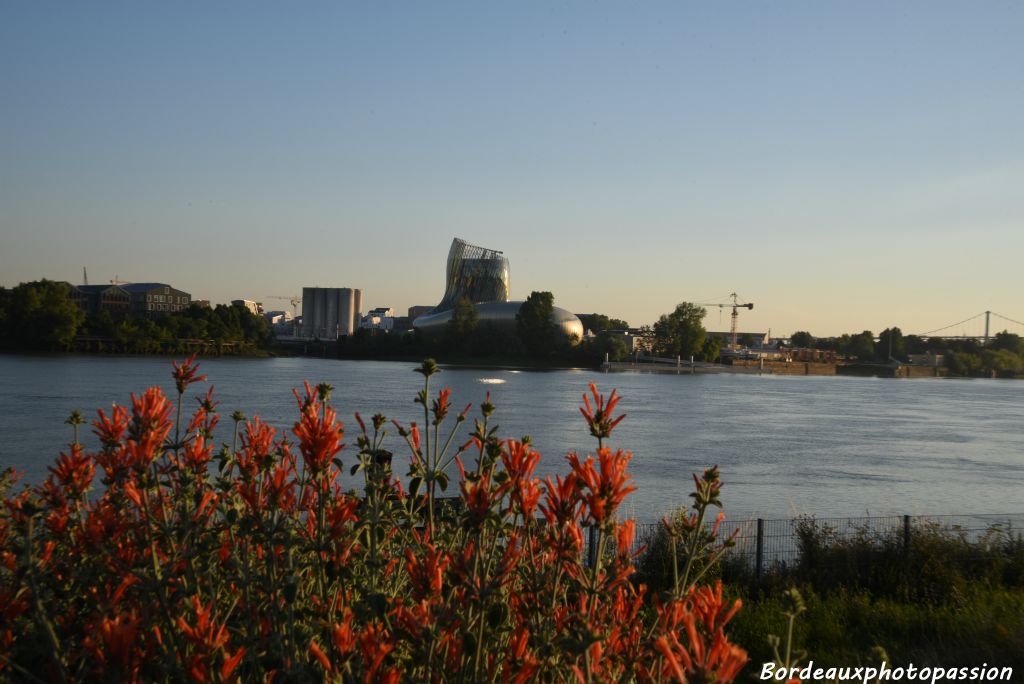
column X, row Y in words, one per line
column 842, row 165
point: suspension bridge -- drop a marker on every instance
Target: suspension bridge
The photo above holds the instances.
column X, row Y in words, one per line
column 980, row 327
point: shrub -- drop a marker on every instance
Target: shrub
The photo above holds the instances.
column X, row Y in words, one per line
column 250, row 563
column 938, row 566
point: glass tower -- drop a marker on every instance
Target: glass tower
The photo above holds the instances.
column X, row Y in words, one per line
column 477, row 273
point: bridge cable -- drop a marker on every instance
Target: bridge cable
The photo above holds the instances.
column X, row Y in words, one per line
column 1005, row 318
column 952, row 325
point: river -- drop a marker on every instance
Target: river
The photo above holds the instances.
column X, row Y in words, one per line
column 826, row 446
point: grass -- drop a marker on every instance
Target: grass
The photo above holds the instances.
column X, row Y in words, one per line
column 949, row 600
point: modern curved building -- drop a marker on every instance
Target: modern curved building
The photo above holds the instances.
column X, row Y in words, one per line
column 482, row 276
column 478, row 273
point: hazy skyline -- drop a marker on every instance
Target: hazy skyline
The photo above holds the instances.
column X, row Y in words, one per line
column 843, row 166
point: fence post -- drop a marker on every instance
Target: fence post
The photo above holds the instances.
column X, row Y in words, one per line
column 592, row 546
column 906, row 534
column 760, row 547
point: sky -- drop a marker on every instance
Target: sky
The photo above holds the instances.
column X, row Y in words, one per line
column 842, row 165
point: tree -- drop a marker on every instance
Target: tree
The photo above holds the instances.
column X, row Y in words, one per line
column 535, row 325
column 861, row 346
column 680, row 333
column 1007, row 341
column 711, row 349
column 801, row 339
column 464, row 319
column 40, row 315
column 914, row 344
column 599, row 322
column 890, row 345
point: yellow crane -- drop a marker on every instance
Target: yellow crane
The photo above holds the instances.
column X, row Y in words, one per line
column 294, row 299
column 736, row 305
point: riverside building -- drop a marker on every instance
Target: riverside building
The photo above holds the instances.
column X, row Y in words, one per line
column 330, row 312
column 481, row 275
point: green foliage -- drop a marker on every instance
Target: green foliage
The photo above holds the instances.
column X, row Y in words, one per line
column 680, row 333
column 801, row 339
column 685, row 548
column 464, row 319
column 1007, row 341
column 597, row 323
column 846, row 627
column 711, row 349
column 611, row 345
column 860, row 346
column 948, row 600
column 39, row 315
column 890, row 345
column 535, row 325
column 939, row 565
column 169, row 333
column 913, row 344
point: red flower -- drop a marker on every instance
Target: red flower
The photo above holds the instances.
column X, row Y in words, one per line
column 257, row 446
column 524, row 490
column 74, row 472
column 320, row 656
column 204, row 632
column 319, row 434
column 600, row 419
column 426, row 569
column 440, row 406
column 562, row 500
column 414, row 434
column 342, row 636
column 150, row 424
column 708, row 655
column 113, row 644
column 603, row 489
column 185, row 374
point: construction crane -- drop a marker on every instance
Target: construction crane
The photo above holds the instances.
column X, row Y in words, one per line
column 736, row 305
column 295, row 301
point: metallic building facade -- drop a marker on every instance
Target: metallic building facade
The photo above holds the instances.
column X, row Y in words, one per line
column 330, row 312
column 481, row 274
column 478, row 273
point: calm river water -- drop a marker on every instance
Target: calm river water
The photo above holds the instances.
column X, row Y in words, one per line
column 786, row 445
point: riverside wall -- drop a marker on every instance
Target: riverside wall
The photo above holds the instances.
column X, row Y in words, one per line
column 787, row 367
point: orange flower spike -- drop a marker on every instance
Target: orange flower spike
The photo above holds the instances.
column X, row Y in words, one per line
column 342, row 636
column 599, row 415
column 110, row 430
column 441, row 405
column 185, row 374
column 320, row 656
column 624, row 535
column 230, row 663
column 74, row 472
column 414, row 434
column 661, row 645
column 319, row 437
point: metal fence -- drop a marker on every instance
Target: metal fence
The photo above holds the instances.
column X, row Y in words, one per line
column 768, row 544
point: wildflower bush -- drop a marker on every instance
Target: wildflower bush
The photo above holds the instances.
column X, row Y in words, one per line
column 250, row 563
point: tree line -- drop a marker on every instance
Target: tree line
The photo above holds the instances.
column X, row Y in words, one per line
column 1003, row 356
column 39, row 316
